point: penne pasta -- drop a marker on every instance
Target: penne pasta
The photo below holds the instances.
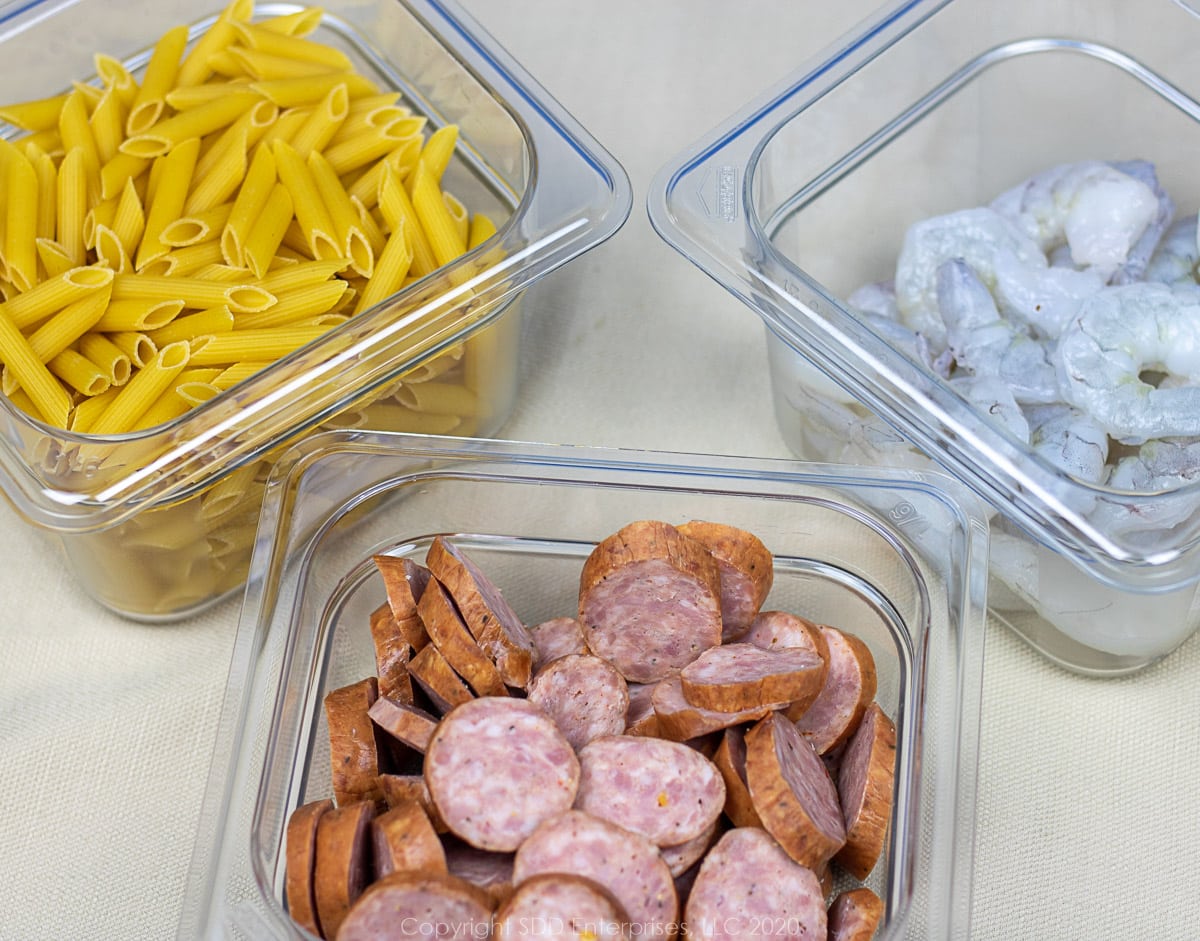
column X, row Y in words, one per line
column 267, row 231
column 71, row 208
column 76, row 134
column 136, row 345
column 79, row 372
column 108, row 125
column 435, row 220
column 397, row 209
column 195, row 293
column 37, row 115
column 193, row 326
column 195, row 122
column 47, row 194
column 309, row 89
column 271, row 343
column 458, row 212
column 296, row 305
column 137, row 314
column 121, row 169
column 192, row 228
column 390, row 270
column 444, row 398
column 167, row 198
column 114, row 362
column 85, row 413
column 47, row 394
column 221, row 181
column 134, row 399
column 482, row 228
column 239, row 372
column 265, row 67
column 54, row 258
column 249, row 204
column 322, row 122
column 311, row 213
column 347, row 227
column 293, row 47
column 188, row 261
column 52, row 295
column 195, row 68
column 147, row 105
column 20, row 225
column 300, row 23
column 129, row 220
column 438, row 150
column 60, row 331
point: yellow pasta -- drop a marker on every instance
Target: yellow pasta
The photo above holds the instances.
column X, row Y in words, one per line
column 310, row 210
column 361, row 149
column 136, row 345
column 195, row 69
column 20, row 225
column 458, row 212
column 38, row 115
column 446, row 398
column 296, row 305
column 220, row 183
column 390, row 270
column 300, row 23
column 293, row 47
column 137, row 314
column 86, row 412
column 129, row 220
column 114, row 362
column 438, row 150
column 100, row 215
column 309, row 89
column 77, row 134
column 435, row 219
column 168, row 198
column 159, row 77
column 322, row 122
column 139, row 394
column 60, row 331
column 265, row 67
column 47, row 193
column 186, row 262
column 71, row 208
column 248, row 205
column 230, row 376
column 397, row 209
column 351, row 240
column 52, row 295
column 109, row 250
column 195, row 293
column 285, row 126
column 371, row 229
column 482, row 228
column 194, row 227
column 271, row 343
column 108, row 125
column 195, row 122
column 267, row 231
column 115, row 78
column 245, row 132
column 190, row 328
column 54, row 258
column 79, row 372
column 365, row 187
column 121, row 169
column 47, row 394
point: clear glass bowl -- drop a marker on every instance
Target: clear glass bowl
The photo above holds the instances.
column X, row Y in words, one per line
column 900, row 556
column 158, row 524
column 806, row 194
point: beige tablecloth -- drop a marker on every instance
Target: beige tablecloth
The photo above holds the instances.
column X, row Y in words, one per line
column 1088, row 822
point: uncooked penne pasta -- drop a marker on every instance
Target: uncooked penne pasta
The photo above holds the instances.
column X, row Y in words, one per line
column 195, row 122
column 362, row 149
column 444, row 398
column 71, row 208
column 229, row 493
column 54, row 258
column 248, row 205
column 435, row 219
column 135, row 344
column 132, row 401
column 195, row 68
column 482, row 228
column 397, row 209
column 188, row 261
column 300, row 23
column 438, row 150
column 20, row 226
column 346, row 226
column 159, row 77
column 79, row 372
column 195, row 293
column 390, row 270
column 47, row 194
column 137, row 314
column 112, row 360
column 458, row 212
column 296, row 305
column 293, row 47
column 313, row 217
column 194, row 227
column 267, row 232
column 108, row 125
column 271, row 343
column 239, row 372
column 47, row 297
column 129, row 220
column 168, row 198
column 118, row 171
column 193, row 326
column 322, row 122
column 44, row 390
column 309, row 89
column 77, row 134
column 68, row 325
column 40, row 114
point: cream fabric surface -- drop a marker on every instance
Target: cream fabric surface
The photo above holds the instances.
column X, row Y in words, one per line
column 1087, row 813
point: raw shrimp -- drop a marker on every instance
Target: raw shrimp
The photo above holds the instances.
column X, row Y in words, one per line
column 976, row 236
column 1045, row 297
column 1118, row 335
column 1175, row 259
column 1070, row 440
column 1140, row 253
column 994, row 399
column 1096, row 209
column 984, row 344
column 1158, row 466
column 878, row 297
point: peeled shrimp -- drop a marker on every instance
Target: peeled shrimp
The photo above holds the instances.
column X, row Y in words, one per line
column 1158, row 466
column 984, row 344
column 1141, row 251
column 1093, row 207
column 1118, row 335
column 1070, row 440
column 994, row 399
column 1175, row 258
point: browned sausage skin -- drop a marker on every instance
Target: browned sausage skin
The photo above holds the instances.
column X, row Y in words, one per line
column 747, row 571
column 301, row 863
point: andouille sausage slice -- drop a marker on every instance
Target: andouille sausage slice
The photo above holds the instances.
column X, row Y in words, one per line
column 399, row 788
column 855, row 915
column 496, row 768
column 747, row 572
column 560, row 905
column 488, row 615
column 680, row 721
column 850, row 685
column 584, row 695
column 772, row 630
column 427, row 905
column 865, row 782
column 444, row 688
column 625, row 863
column 650, row 600
column 640, row 718
column 404, row 580
column 666, row 791
column 404, row 841
column 301, row 861
column 556, row 638
column 492, row 872
column 792, row 792
column 748, row 887
column 730, row 760
column 392, row 653
column 448, row 631
column 343, row 862
column 408, row 724
column 353, row 748
column 736, row 677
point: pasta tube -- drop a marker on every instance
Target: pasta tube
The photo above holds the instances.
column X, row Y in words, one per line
column 132, row 401
column 148, row 104
column 46, row 393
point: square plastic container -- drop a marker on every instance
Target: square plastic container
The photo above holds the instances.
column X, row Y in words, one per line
column 927, row 108
column 159, row 523
column 851, row 547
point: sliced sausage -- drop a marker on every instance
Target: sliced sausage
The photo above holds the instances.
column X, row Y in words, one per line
column 448, row 631
column 404, row 841
column 301, row 861
column 392, row 653
column 625, row 863
column 681, row 857
column 774, row 629
column 399, row 788
column 650, row 600
column 556, row 638
column 560, row 905
column 747, row 572
column 849, row 687
column 679, row 720
column 409, row 904
column 748, row 886
column 408, row 724
column 343, row 862
column 640, row 718
column 855, row 915
column 584, row 695
column 666, row 791
column 730, row 760
column 492, row 872
column 437, row 679
column 496, row 767
column 737, row 677
column 404, row 580
column 488, row 615
column 865, row 781
column 792, row 792
column 353, row 749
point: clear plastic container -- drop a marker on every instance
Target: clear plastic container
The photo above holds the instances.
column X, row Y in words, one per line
column 852, row 547
column 159, row 523
column 927, row 108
